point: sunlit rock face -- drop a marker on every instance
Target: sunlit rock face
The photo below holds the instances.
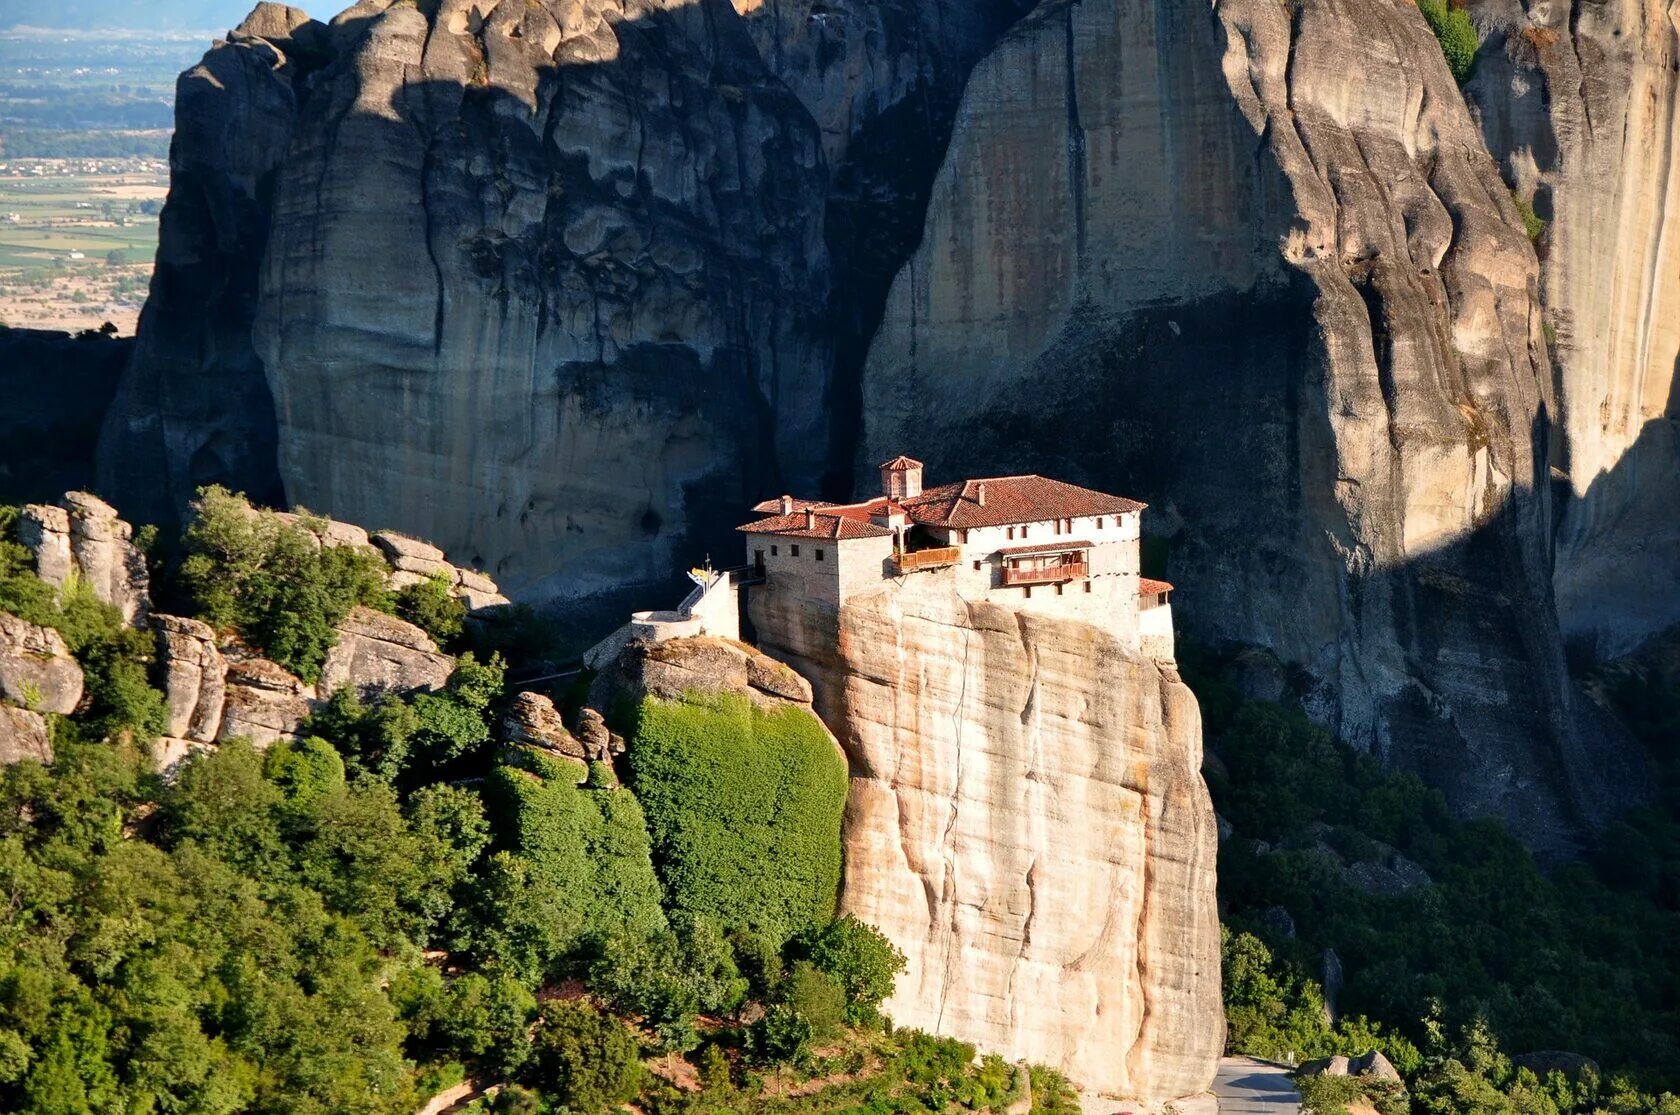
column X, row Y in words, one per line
column 1027, row 822
column 552, row 284
column 1581, row 105
column 1258, row 269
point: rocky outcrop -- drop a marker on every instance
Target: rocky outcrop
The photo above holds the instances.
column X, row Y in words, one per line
column 1259, row 270
column 195, row 677
column 589, row 267
column 23, row 735
column 1580, row 102
column 377, row 653
column 193, row 407
column 37, row 670
column 263, row 702
column 1026, row 821
column 532, row 720
column 697, row 664
column 82, row 537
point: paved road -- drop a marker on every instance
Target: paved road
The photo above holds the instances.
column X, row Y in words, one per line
column 1248, row 1087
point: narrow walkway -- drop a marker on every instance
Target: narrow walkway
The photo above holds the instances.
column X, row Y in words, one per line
column 1245, row 1086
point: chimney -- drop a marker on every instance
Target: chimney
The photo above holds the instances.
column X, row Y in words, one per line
column 901, row 478
column 980, row 493
column 787, row 505
column 810, row 519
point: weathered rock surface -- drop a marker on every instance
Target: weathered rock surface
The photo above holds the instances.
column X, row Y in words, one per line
column 1580, row 102
column 532, row 719
column 195, row 677
column 37, row 670
column 23, row 735
column 377, row 653
column 1028, row 823
column 193, row 407
column 82, row 536
column 1261, row 272
column 697, row 664
column 588, row 267
column 263, row 702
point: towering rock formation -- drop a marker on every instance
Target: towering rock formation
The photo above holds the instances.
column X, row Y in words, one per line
column 566, row 262
column 193, row 407
column 1580, row 102
column 1255, row 266
column 1027, row 822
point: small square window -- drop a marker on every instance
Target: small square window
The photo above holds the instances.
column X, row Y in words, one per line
column 1011, row 534
column 774, row 550
column 1099, row 522
column 794, row 550
column 977, row 567
column 1087, row 586
column 819, row 555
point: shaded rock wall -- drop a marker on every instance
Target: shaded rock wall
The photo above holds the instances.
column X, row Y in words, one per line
column 56, row 388
column 1028, row 823
column 1260, row 271
column 193, row 407
column 1580, row 102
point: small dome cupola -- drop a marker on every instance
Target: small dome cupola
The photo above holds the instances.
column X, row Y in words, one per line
column 901, row 478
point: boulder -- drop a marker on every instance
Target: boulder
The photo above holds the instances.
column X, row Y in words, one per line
column 598, row 741
column 195, row 677
column 1374, row 1064
column 379, row 653
column 85, row 537
column 471, row 580
column 23, row 735
column 263, row 703
column 482, row 601
column 767, row 675
column 1325, row 1066
column 532, row 719
column 395, row 546
column 36, row 669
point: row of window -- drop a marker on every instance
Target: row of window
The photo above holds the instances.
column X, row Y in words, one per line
column 1057, row 526
column 793, row 551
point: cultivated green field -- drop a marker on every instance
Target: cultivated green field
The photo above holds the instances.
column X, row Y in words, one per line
column 77, row 238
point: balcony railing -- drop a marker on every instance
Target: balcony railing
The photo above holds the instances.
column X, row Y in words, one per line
column 1046, row 574
column 908, row 561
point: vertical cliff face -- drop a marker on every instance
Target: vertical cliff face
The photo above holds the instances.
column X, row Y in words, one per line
column 552, row 283
column 1580, row 102
column 1255, row 266
column 1027, row 821
column 193, row 407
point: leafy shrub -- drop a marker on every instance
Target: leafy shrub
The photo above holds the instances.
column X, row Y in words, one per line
column 432, row 606
column 1533, row 226
column 1456, row 34
column 862, row 961
column 1328, row 1095
column 584, row 1060
column 1052, row 1094
column 275, row 583
column 575, row 864
column 744, row 810
column 818, row 998
column 781, row 1036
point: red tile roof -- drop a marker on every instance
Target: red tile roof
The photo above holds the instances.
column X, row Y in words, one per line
column 826, row 526
column 775, row 505
column 1043, row 548
column 1147, row 587
column 901, row 463
column 1010, row 500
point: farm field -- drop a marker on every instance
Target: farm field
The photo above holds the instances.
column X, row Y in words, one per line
column 77, row 238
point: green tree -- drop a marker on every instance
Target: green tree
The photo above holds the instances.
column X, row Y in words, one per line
column 432, row 606
column 862, row 961
column 1456, row 34
column 583, row 1060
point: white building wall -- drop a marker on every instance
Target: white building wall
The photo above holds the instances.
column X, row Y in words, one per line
column 1155, row 631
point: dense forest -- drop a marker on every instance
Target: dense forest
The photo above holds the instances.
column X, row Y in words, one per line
column 1492, row 985
column 357, row 920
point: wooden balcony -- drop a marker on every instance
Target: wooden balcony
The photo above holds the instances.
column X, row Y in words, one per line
column 909, row 561
column 1046, row 574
